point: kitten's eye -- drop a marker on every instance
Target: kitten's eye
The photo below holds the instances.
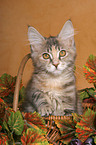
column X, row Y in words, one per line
column 46, row 56
column 62, row 53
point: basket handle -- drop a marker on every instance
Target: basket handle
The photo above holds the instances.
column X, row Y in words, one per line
column 18, row 80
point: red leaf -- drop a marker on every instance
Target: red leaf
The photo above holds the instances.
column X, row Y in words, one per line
column 32, row 136
column 86, row 126
column 1, row 101
column 3, row 139
column 2, row 109
column 67, row 128
column 91, row 62
column 34, row 119
column 90, row 69
column 0, row 127
column 7, row 85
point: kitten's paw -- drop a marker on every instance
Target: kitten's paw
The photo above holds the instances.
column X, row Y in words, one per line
column 46, row 111
column 58, row 113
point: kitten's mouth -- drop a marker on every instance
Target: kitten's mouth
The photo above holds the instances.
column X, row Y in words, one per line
column 57, row 71
column 54, row 70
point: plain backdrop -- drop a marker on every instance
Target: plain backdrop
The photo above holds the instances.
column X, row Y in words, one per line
column 48, row 17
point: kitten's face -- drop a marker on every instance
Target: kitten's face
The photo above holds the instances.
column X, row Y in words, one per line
column 53, row 54
column 54, row 59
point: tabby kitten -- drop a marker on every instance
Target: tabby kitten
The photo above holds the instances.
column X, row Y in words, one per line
column 51, row 89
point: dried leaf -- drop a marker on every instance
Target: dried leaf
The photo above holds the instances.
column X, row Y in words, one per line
column 86, row 127
column 16, row 122
column 33, row 137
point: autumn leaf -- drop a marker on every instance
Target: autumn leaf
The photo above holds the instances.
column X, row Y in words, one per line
column 76, row 117
column 7, row 85
column 91, row 62
column 95, row 139
column 67, row 129
column 2, row 109
column 4, row 119
column 12, row 124
column 0, row 127
column 16, row 122
column 33, row 137
column 1, row 100
column 90, row 69
column 35, row 120
column 3, row 139
column 86, row 127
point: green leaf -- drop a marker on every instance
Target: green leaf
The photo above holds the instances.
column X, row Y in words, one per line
column 5, row 126
column 33, row 137
column 16, row 122
column 86, row 93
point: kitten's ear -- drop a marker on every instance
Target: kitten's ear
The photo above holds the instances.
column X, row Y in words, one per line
column 35, row 38
column 67, row 33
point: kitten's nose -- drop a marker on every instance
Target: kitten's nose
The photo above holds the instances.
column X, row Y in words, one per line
column 56, row 64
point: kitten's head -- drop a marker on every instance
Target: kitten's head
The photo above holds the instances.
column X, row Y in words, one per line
column 53, row 54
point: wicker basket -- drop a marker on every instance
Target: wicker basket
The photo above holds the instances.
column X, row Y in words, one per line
column 53, row 133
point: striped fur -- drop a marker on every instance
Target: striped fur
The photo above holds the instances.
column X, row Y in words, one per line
column 51, row 90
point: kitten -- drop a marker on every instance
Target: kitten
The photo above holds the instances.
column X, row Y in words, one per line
column 52, row 89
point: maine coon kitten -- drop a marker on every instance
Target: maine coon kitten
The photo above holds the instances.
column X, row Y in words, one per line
column 51, row 89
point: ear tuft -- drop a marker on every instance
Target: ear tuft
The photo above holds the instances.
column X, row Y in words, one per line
column 35, row 38
column 67, row 31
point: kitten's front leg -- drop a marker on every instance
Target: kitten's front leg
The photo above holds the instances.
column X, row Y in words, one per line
column 43, row 104
column 45, row 110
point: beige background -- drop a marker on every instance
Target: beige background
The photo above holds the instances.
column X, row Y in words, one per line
column 48, row 17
